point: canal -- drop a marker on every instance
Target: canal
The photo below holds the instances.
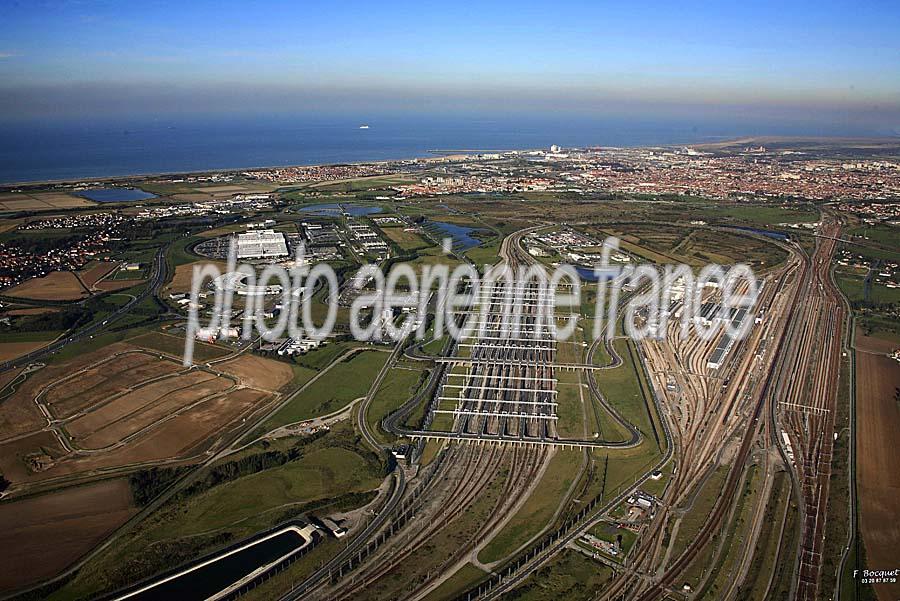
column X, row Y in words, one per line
column 211, row 576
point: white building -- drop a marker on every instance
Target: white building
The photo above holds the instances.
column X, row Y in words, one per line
column 261, row 244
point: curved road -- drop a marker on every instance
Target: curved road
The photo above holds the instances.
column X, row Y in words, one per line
column 157, row 278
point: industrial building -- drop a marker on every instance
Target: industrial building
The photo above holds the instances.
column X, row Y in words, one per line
column 260, row 244
column 726, row 342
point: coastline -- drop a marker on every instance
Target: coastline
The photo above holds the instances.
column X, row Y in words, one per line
column 142, row 176
column 442, row 154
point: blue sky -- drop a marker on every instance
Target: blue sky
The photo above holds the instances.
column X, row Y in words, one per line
column 773, row 58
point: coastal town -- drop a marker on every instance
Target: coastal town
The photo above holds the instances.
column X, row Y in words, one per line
column 866, row 186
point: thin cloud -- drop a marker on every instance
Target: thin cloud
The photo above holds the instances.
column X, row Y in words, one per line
column 7, row 55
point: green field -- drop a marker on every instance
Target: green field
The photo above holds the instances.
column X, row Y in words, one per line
column 397, row 388
column 37, row 336
column 346, row 381
column 406, row 240
column 434, row 346
column 852, row 284
column 538, row 510
column 759, row 214
column 876, row 241
column 756, row 583
column 320, row 358
column 180, row 255
column 364, row 183
column 735, row 537
column 326, row 474
column 433, row 255
column 693, row 246
column 463, row 579
column 881, row 234
column 302, row 375
column 610, row 533
column 570, row 411
column 698, row 512
column 319, row 474
column 657, row 487
column 624, row 388
column 486, row 254
column 128, row 275
column 570, row 576
column 71, row 351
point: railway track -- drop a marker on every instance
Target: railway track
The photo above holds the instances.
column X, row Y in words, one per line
column 463, row 476
column 638, row 581
column 658, row 590
column 723, row 504
column 480, row 471
column 808, row 405
column 704, row 411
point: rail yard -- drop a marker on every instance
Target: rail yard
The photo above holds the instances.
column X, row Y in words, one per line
column 506, row 462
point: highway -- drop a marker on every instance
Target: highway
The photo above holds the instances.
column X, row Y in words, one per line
column 158, row 276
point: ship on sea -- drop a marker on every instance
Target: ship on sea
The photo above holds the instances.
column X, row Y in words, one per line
column 364, row 126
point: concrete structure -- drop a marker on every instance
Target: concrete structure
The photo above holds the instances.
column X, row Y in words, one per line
column 237, row 282
column 336, row 530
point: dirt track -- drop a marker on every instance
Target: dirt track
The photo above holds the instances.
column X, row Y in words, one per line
column 104, row 380
column 95, row 273
column 258, row 372
column 124, row 406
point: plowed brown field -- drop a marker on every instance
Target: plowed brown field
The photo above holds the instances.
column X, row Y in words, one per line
column 878, row 464
column 44, row 534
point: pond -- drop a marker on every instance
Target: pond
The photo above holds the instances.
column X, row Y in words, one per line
column 115, row 194
column 587, row 274
column 336, row 209
column 461, row 235
column 768, row 233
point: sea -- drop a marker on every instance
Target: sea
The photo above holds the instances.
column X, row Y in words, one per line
column 69, row 149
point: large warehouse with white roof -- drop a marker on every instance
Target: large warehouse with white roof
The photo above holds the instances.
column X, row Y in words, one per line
column 261, row 244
